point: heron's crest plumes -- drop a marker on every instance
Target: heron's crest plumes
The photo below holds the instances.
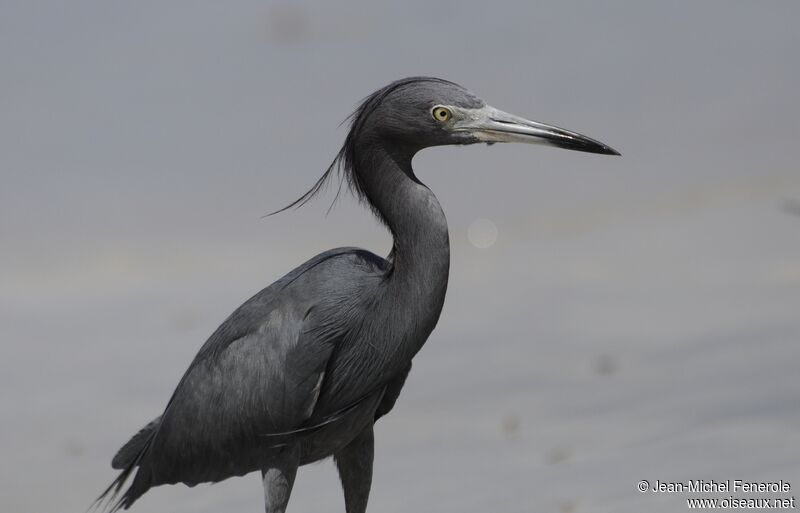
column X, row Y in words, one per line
column 344, row 164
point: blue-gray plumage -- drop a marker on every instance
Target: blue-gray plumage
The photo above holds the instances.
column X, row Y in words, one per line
column 303, row 369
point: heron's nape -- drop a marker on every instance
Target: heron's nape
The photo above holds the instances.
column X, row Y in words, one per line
column 302, row 370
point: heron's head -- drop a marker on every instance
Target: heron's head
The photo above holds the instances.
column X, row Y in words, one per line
column 415, row 113
column 422, row 111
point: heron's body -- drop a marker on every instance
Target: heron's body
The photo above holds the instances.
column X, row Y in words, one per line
column 303, row 369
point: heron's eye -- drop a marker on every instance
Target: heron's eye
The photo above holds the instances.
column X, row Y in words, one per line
column 441, row 114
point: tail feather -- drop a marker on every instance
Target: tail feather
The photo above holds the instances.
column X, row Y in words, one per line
column 107, row 501
column 126, row 460
column 131, row 450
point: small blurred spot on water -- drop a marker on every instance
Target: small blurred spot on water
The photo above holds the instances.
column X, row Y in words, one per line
column 568, row 507
column 558, row 455
column 791, row 206
column 605, row 365
column 73, row 448
column 288, row 24
column 482, row 233
column 510, row 424
column 784, row 272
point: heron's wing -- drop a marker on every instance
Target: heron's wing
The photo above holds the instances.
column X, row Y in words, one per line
column 264, row 382
column 260, row 373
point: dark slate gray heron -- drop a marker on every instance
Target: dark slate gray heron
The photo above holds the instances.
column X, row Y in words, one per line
column 303, row 369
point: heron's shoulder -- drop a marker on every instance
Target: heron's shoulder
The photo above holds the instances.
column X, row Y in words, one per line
column 333, row 274
column 337, row 269
column 345, row 256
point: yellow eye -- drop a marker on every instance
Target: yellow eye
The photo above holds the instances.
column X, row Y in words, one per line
column 441, row 114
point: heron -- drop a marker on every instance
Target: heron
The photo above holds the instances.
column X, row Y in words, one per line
column 303, row 369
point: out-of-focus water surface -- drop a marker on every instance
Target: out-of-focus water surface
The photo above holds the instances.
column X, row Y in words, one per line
column 636, row 317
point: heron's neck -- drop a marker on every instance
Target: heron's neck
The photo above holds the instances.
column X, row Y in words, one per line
column 421, row 253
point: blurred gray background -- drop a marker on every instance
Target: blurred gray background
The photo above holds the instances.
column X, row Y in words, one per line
column 634, row 318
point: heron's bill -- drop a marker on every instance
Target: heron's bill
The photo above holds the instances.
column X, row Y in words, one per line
column 493, row 125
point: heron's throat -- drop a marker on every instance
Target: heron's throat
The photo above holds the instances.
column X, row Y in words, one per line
column 412, row 213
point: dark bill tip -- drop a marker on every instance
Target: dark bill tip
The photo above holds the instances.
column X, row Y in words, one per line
column 585, row 145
